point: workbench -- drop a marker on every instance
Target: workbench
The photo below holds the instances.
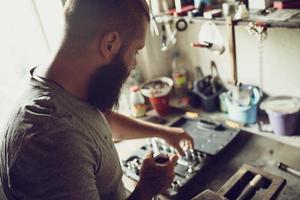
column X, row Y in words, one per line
column 262, row 151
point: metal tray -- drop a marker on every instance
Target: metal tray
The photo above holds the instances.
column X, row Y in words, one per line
column 209, row 137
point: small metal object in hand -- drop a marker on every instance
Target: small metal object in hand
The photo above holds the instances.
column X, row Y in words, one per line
column 158, row 156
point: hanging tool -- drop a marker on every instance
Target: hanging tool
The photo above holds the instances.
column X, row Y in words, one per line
column 210, row 38
column 181, row 25
column 259, row 30
column 168, row 37
column 215, row 78
column 232, row 49
column 218, row 49
column 153, row 24
column 163, row 43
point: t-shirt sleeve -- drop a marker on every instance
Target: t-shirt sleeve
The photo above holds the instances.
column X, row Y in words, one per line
column 56, row 166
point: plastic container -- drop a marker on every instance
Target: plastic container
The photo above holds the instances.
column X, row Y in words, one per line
column 137, row 102
column 157, row 90
column 244, row 114
column 284, row 124
column 283, row 112
column 223, row 106
column 179, row 73
column 160, row 105
column 208, row 99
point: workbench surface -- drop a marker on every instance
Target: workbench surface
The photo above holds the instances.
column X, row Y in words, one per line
column 247, row 148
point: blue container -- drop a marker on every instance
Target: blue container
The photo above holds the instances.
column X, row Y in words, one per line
column 244, row 114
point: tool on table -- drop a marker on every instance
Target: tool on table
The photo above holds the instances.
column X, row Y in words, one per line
column 245, row 183
column 288, row 169
column 211, row 125
column 250, row 190
column 208, row 144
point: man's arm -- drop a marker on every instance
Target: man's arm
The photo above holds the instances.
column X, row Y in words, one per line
column 124, row 127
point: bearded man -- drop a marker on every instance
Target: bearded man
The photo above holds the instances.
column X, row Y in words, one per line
column 58, row 142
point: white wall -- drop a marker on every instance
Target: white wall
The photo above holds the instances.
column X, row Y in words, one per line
column 281, row 58
column 24, row 42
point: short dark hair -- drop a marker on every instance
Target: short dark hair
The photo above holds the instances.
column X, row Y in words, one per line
column 86, row 18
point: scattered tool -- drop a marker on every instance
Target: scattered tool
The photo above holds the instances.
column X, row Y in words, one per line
column 288, row 169
column 250, row 190
column 207, row 146
column 244, row 184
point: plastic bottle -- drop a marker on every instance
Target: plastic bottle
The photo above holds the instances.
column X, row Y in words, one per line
column 137, row 102
column 179, row 74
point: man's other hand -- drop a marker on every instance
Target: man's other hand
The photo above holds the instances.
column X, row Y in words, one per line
column 179, row 139
column 155, row 177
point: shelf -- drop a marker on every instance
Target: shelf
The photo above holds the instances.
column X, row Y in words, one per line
column 292, row 23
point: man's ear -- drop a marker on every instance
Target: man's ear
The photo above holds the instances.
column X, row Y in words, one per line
column 110, row 44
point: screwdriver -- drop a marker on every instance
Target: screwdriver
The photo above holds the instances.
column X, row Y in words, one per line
column 251, row 188
column 288, row 169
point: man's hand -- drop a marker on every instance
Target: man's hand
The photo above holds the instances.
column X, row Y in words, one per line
column 179, row 139
column 124, row 127
column 155, row 177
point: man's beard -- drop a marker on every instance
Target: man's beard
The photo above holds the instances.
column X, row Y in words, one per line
column 106, row 83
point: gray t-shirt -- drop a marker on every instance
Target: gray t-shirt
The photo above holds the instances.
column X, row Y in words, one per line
column 58, row 147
